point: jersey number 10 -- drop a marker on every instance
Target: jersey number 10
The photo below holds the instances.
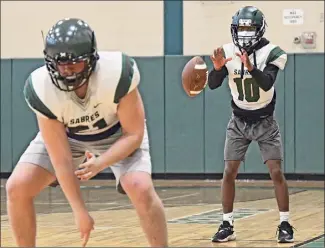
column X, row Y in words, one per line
column 252, row 90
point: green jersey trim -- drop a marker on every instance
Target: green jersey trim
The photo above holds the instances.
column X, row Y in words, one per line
column 34, row 101
column 124, row 83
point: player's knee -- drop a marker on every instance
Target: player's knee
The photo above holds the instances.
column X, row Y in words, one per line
column 276, row 172
column 16, row 189
column 140, row 191
column 231, row 170
column 277, row 175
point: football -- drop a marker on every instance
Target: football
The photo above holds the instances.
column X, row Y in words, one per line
column 194, row 76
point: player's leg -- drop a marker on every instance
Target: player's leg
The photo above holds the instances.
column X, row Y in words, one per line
column 133, row 177
column 228, row 186
column 28, row 179
column 139, row 188
column 236, row 145
column 26, row 182
column 285, row 230
column 269, row 139
column 32, row 174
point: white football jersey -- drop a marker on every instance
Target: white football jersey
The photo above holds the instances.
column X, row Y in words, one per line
column 245, row 92
column 115, row 75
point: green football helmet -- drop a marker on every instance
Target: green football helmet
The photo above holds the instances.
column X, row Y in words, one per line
column 247, row 27
column 70, row 41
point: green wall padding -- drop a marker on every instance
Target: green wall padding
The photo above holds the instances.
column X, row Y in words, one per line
column 309, row 113
column 183, row 122
column 187, row 135
column 6, row 112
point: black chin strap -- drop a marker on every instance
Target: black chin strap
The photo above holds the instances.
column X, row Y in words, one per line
column 254, row 54
column 242, row 64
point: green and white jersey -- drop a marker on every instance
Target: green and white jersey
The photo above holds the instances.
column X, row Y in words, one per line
column 115, row 75
column 245, row 92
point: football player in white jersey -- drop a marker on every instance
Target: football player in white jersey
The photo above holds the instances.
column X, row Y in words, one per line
column 91, row 117
column 251, row 63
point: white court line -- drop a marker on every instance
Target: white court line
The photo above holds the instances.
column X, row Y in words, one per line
column 257, row 213
column 165, row 199
column 66, row 203
column 181, row 196
column 199, row 213
column 217, row 209
column 128, row 205
column 73, row 227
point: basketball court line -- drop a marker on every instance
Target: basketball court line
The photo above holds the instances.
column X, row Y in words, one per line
column 309, row 241
column 190, row 215
column 4, row 217
column 163, row 199
column 219, row 209
column 71, row 227
column 67, row 203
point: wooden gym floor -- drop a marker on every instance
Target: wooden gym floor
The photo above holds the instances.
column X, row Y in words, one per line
column 193, row 211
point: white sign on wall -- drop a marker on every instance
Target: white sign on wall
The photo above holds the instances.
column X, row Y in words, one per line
column 293, row 16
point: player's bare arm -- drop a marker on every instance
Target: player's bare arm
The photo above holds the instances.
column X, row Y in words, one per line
column 131, row 116
column 54, row 135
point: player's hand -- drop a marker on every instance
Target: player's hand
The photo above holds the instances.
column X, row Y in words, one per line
column 218, row 59
column 88, row 169
column 245, row 60
column 85, row 224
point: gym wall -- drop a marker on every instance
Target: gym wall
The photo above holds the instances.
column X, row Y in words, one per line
column 186, row 135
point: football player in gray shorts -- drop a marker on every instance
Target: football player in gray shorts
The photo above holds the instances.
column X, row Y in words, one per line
column 91, row 117
column 251, row 63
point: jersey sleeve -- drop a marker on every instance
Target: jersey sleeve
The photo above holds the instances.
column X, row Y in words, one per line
column 129, row 79
column 226, row 50
column 277, row 57
column 36, row 99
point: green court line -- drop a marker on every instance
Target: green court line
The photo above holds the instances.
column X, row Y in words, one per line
column 316, row 243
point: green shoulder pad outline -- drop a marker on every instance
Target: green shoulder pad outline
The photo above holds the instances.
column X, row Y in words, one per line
column 126, row 77
column 274, row 54
column 34, row 101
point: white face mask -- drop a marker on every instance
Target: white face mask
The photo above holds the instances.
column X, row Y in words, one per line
column 246, row 38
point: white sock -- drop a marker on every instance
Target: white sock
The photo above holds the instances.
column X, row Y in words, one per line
column 284, row 216
column 229, row 217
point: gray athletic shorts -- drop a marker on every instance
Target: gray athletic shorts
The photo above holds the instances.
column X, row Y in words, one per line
column 240, row 134
column 139, row 160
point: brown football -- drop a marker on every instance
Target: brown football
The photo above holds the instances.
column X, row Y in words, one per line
column 194, row 76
